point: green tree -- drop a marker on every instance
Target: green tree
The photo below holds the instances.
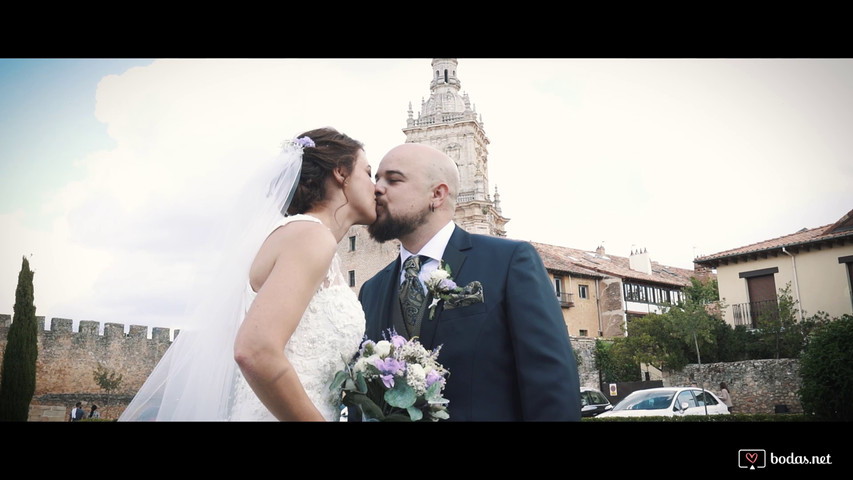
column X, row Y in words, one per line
column 18, row 373
column 826, row 368
column 615, row 361
column 694, row 320
column 651, row 340
column 670, row 339
column 732, row 344
column 109, row 380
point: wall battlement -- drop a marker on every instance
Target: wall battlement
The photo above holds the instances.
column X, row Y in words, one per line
column 93, row 328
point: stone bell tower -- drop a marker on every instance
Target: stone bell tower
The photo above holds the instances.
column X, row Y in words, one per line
column 448, row 122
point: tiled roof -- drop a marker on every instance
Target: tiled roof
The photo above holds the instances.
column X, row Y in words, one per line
column 806, row 238
column 595, row 265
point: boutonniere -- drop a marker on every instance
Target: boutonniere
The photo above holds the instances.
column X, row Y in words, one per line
column 442, row 287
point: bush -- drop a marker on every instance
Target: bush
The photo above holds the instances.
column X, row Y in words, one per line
column 826, row 368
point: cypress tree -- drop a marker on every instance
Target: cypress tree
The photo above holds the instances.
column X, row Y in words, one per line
column 18, row 373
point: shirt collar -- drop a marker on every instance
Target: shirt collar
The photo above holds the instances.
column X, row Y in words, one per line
column 434, row 248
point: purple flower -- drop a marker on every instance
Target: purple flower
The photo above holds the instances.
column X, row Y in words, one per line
column 432, row 377
column 398, row 341
column 304, row 142
column 447, row 284
column 388, row 367
column 387, row 380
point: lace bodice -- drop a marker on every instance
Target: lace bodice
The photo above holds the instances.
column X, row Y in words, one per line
column 331, row 330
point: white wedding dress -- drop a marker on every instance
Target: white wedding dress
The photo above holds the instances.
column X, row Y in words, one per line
column 329, row 334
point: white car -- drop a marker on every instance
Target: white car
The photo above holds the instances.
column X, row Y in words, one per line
column 668, row 402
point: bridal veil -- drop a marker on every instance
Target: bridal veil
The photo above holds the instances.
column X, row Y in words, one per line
column 195, row 378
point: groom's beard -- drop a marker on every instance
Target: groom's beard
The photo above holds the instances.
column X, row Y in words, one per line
column 390, row 228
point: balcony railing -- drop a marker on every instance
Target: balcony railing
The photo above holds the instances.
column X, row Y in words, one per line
column 749, row 313
column 566, row 299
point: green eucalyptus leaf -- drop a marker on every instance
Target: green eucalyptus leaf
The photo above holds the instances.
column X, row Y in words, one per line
column 401, row 396
column 415, row 413
column 440, row 414
column 397, row 417
column 361, row 384
column 339, row 379
column 357, row 402
column 433, row 393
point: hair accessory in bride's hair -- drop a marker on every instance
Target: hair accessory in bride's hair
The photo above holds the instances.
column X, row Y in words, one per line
column 304, row 142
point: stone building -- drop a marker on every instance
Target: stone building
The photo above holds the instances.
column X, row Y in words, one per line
column 600, row 292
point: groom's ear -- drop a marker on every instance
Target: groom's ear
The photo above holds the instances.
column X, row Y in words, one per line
column 440, row 193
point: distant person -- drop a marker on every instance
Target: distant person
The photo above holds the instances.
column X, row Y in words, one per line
column 725, row 395
column 77, row 413
column 94, row 413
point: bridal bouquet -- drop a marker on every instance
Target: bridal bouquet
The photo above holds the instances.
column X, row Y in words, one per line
column 394, row 380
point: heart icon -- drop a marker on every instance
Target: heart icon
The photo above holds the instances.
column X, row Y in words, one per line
column 752, row 457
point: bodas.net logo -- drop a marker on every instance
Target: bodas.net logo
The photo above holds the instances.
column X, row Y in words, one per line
column 751, row 458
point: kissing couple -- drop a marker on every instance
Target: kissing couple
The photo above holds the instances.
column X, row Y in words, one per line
column 280, row 320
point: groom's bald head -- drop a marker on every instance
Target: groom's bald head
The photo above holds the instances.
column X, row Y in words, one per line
column 416, row 190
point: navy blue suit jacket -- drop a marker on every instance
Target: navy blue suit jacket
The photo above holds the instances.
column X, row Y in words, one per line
column 510, row 358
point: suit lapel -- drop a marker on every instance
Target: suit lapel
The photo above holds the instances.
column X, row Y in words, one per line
column 454, row 256
column 389, row 303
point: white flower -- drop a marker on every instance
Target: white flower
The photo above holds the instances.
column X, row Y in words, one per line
column 362, row 363
column 416, row 378
column 436, row 277
column 383, row 348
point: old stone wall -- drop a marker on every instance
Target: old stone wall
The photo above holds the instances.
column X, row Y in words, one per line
column 67, row 361
column 757, row 386
column 584, row 348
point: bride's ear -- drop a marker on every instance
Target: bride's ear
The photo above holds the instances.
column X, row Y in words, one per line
column 340, row 177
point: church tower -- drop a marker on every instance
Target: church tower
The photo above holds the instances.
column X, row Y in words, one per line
column 448, row 122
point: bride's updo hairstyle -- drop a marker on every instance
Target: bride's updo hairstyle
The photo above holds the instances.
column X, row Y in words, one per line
column 332, row 149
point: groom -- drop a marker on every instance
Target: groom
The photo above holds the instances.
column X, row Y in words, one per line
column 506, row 344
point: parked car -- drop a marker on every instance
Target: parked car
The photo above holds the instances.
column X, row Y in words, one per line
column 593, row 402
column 668, row 402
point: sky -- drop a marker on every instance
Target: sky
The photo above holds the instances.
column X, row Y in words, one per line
column 113, row 171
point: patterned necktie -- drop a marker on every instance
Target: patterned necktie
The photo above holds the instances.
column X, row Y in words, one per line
column 412, row 297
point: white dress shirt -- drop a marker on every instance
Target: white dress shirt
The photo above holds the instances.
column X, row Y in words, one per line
column 434, row 249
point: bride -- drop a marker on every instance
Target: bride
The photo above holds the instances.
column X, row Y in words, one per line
column 280, row 319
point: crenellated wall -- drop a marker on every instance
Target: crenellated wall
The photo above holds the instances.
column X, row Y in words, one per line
column 67, row 360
